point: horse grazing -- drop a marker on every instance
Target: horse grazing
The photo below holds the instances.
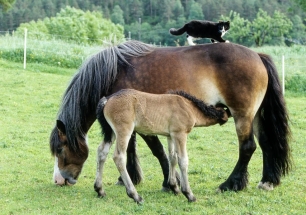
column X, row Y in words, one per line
column 170, row 115
column 221, row 74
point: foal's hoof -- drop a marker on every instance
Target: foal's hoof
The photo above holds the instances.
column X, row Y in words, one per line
column 165, row 189
column 100, row 191
column 192, row 199
column 139, row 200
column 120, row 183
column 175, row 190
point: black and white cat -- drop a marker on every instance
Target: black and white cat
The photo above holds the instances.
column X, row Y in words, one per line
column 203, row 29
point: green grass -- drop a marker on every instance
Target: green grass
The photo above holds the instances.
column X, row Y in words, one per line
column 29, row 102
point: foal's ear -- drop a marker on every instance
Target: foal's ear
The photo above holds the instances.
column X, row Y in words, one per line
column 61, row 127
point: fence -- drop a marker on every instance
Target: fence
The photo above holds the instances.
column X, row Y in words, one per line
column 30, row 47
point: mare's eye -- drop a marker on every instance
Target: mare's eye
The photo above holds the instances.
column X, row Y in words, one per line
column 59, row 150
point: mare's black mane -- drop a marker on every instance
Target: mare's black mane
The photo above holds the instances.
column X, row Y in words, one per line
column 93, row 81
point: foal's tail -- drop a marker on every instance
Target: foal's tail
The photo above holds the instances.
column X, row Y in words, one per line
column 105, row 127
column 274, row 131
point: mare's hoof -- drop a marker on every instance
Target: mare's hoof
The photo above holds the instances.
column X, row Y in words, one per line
column 265, row 186
column 233, row 185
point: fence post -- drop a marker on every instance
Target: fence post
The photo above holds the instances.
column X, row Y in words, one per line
column 283, row 70
column 25, row 49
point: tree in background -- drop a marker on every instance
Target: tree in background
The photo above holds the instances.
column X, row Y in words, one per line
column 75, row 25
column 6, row 4
column 117, row 16
column 297, row 33
column 195, row 11
column 267, row 29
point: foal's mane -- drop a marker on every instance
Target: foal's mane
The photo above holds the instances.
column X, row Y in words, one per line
column 208, row 110
column 94, row 80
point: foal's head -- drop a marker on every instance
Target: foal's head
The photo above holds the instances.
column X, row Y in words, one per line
column 70, row 158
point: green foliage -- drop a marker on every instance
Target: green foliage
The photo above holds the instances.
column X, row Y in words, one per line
column 6, row 4
column 265, row 28
column 75, row 25
column 195, row 11
column 296, row 83
column 117, row 15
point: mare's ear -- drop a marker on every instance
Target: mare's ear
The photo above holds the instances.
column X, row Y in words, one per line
column 61, row 127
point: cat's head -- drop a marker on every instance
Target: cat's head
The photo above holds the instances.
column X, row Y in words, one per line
column 223, row 27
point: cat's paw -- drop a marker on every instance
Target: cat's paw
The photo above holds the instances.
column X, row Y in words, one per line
column 227, row 41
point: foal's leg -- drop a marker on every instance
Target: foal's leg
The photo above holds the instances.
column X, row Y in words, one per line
column 182, row 156
column 172, row 164
column 238, row 179
column 102, row 153
column 132, row 165
column 120, row 161
column 158, row 151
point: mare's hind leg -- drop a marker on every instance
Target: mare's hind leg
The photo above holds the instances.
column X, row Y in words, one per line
column 120, row 161
column 270, row 173
column 158, row 151
column 102, row 153
column 238, row 179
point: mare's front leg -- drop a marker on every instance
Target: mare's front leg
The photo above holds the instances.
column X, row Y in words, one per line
column 102, row 153
column 158, row 151
column 120, row 161
column 238, row 179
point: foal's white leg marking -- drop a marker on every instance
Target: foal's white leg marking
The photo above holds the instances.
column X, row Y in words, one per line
column 172, row 163
column 57, row 177
column 120, row 161
column 265, row 186
column 190, row 41
column 102, row 153
column 182, row 156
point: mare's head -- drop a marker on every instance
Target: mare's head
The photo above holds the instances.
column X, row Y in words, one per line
column 71, row 153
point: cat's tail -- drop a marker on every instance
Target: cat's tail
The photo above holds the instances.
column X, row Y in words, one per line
column 178, row 31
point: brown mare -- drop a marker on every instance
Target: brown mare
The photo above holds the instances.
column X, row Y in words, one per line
column 221, row 74
column 170, row 115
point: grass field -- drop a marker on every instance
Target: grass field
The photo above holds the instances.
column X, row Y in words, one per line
column 29, row 102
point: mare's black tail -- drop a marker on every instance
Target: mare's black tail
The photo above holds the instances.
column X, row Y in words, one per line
column 274, row 131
